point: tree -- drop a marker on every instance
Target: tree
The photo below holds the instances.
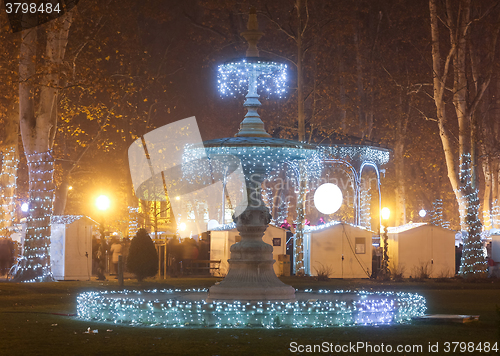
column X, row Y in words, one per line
column 142, row 258
column 458, row 72
column 38, row 100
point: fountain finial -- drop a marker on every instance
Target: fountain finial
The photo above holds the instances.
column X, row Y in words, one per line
column 252, row 34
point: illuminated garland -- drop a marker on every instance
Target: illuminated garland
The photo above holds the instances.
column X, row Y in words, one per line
column 235, row 77
column 437, row 212
column 360, row 153
column 473, row 259
column 166, row 308
column 35, row 267
column 64, row 219
column 402, row 228
column 495, row 214
column 8, row 174
column 365, row 211
column 224, row 227
column 133, row 221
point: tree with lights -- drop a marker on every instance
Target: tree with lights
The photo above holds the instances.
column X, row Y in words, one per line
column 9, row 154
column 38, row 101
column 469, row 75
column 9, row 136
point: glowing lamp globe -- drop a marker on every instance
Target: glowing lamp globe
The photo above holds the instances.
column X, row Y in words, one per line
column 422, row 213
column 182, row 226
column 386, row 213
column 25, row 207
column 328, row 198
column 102, row 202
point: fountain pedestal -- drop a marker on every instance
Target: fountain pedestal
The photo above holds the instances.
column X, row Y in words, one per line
column 251, row 275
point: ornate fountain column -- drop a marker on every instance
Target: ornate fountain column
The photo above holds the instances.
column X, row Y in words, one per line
column 251, row 275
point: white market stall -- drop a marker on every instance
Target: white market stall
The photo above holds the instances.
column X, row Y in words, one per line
column 339, row 249
column 71, row 247
column 414, row 248
column 222, row 240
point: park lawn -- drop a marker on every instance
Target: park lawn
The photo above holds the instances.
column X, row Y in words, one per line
column 36, row 319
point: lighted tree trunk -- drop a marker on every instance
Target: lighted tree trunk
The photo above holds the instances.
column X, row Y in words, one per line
column 495, row 198
column 8, row 173
column 38, row 119
column 400, row 211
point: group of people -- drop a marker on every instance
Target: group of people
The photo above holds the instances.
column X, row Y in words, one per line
column 108, row 252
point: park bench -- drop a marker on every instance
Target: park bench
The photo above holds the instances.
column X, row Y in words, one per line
column 202, row 265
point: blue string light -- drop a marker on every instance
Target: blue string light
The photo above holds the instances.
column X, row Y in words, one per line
column 324, row 308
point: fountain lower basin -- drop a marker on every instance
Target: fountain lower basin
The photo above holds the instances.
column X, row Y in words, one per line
column 188, row 308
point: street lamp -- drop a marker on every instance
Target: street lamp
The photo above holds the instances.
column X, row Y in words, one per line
column 386, row 213
column 102, row 203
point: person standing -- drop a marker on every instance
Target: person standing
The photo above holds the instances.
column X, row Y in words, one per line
column 116, row 250
column 491, row 267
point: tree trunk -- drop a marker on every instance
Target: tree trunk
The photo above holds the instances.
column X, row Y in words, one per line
column 487, row 223
column 8, row 172
column 38, row 129
column 495, row 199
column 400, row 212
column 461, row 180
column 300, row 76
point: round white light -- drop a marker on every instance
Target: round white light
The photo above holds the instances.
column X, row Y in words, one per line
column 422, row 213
column 182, row 226
column 102, row 202
column 25, row 207
column 328, row 198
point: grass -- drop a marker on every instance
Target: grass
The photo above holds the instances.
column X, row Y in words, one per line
column 34, row 321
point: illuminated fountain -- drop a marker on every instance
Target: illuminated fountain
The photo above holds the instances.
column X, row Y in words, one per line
column 251, row 294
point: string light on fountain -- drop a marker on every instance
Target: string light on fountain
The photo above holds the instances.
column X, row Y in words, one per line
column 252, row 74
column 235, row 77
column 324, row 308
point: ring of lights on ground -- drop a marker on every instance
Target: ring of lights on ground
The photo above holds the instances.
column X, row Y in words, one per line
column 328, row 198
column 188, row 308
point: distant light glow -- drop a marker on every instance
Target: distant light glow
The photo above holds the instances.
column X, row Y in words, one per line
column 102, row 202
column 182, row 226
column 328, row 198
column 422, row 213
column 386, row 213
column 25, row 207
